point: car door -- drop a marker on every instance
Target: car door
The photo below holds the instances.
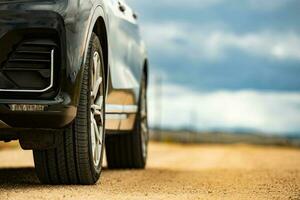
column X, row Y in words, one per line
column 125, row 43
column 125, row 61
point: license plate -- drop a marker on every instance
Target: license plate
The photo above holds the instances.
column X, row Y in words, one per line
column 27, row 107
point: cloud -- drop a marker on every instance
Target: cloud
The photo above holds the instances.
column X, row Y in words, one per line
column 268, row 112
column 204, row 4
column 191, row 3
column 178, row 3
column 175, row 39
column 268, row 5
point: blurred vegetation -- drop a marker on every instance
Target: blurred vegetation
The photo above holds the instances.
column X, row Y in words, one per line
column 183, row 136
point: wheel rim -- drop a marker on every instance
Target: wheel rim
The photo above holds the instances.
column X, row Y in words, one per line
column 96, row 113
column 144, row 121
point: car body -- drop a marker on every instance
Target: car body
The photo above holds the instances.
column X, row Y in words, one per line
column 74, row 22
column 35, row 99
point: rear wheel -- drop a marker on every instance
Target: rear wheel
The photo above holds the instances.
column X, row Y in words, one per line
column 129, row 149
column 77, row 158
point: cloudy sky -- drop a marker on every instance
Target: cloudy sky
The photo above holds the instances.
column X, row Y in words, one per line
column 223, row 64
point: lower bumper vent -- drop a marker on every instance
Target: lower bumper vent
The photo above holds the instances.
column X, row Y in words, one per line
column 30, row 67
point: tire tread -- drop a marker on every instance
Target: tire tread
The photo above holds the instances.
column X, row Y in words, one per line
column 70, row 161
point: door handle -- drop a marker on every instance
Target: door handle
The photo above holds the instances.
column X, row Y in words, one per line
column 135, row 16
column 122, row 8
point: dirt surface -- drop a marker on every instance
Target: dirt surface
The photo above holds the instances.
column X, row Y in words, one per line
column 173, row 172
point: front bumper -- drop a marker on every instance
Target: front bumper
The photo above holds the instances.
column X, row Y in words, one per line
column 15, row 27
column 57, row 114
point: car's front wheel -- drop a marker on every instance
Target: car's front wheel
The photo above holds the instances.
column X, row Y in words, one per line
column 77, row 158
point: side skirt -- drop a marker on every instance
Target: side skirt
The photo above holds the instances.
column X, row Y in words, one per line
column 120, row 117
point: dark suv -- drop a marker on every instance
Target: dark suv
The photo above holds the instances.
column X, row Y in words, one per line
column 73, row 78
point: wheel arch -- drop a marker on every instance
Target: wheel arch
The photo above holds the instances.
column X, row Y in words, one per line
column 97, row 24
column 146, row 71
column 101, row 31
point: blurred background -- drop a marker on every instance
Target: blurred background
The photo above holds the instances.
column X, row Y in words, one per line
column 225, row 67
column 221, row 72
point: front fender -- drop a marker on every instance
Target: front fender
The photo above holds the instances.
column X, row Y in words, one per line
column 79, row 31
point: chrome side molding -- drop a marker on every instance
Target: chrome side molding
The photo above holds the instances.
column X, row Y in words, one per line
column 121, row 109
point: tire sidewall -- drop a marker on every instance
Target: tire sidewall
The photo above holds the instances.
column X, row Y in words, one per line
column 95, row 47
column 139, row 119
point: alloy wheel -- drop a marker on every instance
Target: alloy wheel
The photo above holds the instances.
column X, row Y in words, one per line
column 97, row 101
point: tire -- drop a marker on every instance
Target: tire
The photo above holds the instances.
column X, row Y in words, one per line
column 129, row 149
column 77, row 158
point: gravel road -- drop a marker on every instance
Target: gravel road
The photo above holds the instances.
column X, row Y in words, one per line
column 173, row 172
